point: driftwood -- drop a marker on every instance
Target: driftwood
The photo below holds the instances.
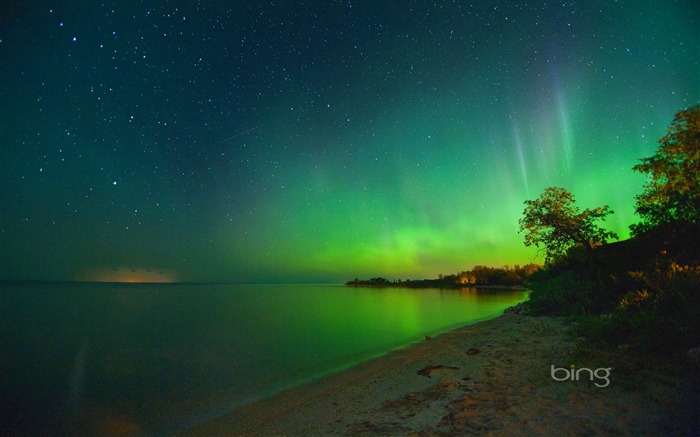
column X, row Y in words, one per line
column 426, row 371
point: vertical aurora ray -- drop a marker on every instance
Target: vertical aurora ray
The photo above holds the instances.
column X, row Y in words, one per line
column 521, row 158
column 567, row 137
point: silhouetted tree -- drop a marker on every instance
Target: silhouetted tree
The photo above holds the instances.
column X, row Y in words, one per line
column 554, row 222
column 672, row 193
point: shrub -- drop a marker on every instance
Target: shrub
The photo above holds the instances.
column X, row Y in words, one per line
column 661, row 315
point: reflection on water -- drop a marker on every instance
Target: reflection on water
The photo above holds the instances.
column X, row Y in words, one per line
column 156, row 358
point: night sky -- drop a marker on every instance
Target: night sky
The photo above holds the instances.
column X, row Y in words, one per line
column 253, row 141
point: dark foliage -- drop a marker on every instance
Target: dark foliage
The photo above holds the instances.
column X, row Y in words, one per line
column 643, row 292
column 672, row 193
column 554, row 222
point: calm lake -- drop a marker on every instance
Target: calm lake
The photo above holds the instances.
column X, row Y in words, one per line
column 84, row 358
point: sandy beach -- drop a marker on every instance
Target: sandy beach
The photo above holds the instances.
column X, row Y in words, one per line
column 490, row 379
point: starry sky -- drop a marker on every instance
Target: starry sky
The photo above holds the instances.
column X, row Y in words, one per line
column 318, row 141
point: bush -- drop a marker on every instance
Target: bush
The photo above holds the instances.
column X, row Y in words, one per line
column 572, row 290
column 661, row 315
column 668, row 315
column 564, row 295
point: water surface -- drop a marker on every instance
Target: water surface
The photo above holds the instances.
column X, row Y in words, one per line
column 84, row 357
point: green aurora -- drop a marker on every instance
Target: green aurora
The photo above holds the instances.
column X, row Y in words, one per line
column 324, row 141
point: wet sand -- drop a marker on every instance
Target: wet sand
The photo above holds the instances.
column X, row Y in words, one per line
column 489, row 379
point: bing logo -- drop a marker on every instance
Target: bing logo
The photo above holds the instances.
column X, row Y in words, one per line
column 574, row 374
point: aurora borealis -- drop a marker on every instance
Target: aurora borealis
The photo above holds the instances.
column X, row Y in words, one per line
column 322, row 140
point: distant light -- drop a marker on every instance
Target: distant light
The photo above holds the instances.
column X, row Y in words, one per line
column 130, row 275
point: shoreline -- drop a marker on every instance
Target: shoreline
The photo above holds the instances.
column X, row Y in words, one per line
column 489, row 378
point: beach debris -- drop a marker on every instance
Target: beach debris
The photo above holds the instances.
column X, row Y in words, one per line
column 473, row 351
column 426, row 371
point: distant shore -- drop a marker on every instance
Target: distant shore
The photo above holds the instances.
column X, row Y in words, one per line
column 491, row 378
column 429, row 283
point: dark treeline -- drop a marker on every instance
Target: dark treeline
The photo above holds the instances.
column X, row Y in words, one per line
column 642, row 294
column 479, row 276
